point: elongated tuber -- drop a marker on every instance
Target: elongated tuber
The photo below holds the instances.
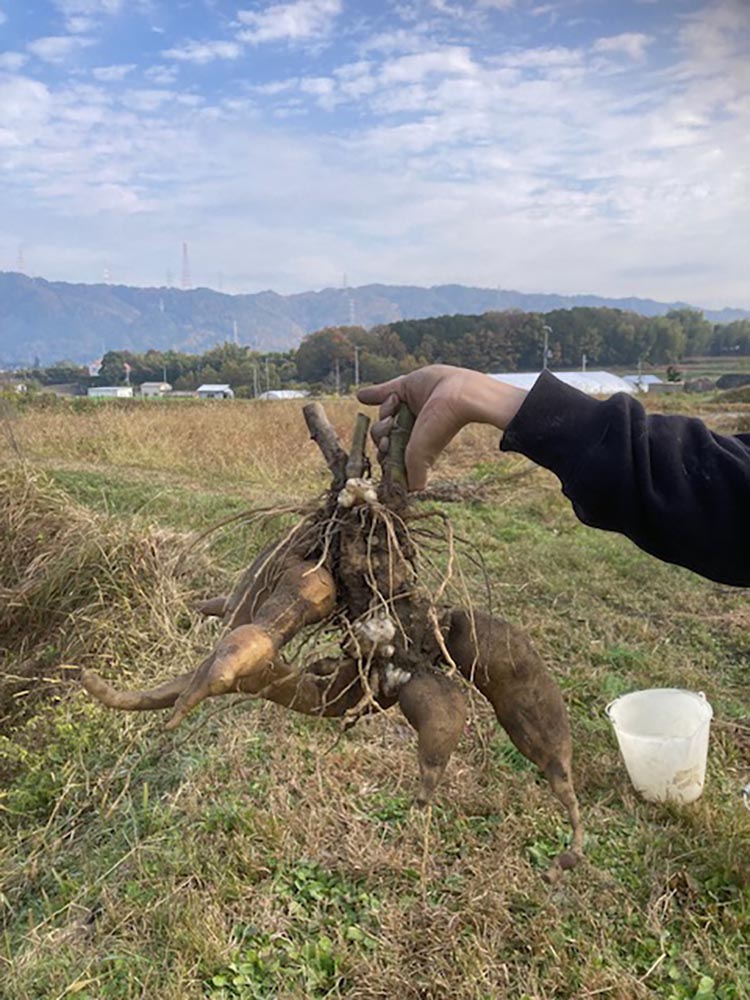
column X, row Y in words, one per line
column 435, row 706
column 499, row 659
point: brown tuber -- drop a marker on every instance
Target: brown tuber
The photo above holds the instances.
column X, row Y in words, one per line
column 435, row 706
column 353, row 565
column 499, row 660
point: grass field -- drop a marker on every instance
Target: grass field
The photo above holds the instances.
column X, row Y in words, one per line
column 250, row 855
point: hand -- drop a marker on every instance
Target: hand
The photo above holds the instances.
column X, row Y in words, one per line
column 443, row 399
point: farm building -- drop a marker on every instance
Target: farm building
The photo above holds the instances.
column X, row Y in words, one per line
column 215, row 392
column 592, row 383
column 111, row 392
column 11, row 385
column 284, row 394
column 643, row 383
column 151, row 389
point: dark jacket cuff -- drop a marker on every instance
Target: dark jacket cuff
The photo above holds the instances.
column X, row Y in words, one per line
column 551, row 418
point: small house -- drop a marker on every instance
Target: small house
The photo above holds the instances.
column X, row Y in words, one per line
column 111, row 392
column 11, row 385
column 215, row 392
column 149, row 390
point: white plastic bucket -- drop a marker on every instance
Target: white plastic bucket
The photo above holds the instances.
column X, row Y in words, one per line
column 663, row 738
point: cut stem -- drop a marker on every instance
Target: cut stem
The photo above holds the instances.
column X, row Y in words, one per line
column 357, row 463
column 394, row 466
column 325, row 437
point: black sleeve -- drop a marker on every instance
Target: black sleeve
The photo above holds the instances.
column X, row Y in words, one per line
column 675, row 488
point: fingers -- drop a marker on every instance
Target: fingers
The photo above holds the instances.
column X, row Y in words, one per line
column 372, row 395
column 432, row 432
column 380, row 433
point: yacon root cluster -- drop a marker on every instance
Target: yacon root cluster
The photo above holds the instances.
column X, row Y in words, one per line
column 352, row 564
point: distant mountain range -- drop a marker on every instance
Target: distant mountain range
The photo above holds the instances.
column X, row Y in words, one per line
column 55, row 320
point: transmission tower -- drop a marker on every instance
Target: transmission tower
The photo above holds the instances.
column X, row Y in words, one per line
column 186, row 280
column 21, row 263
column 350, row 300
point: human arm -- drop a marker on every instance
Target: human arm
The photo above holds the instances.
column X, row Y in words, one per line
column 675, row 488
column 668, row 483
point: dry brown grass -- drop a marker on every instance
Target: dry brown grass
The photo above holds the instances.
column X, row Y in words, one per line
column 262, row 446
column 134, row 865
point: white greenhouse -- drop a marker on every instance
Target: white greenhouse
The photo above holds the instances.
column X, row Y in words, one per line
column 592, row 383
column 111, row 392
column 643, row 382
column 284, row 394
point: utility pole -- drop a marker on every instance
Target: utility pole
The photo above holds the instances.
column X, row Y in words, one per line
column 268, row 376
column 356, row 366
column 255, row 381
column 337, row 370
column 584, row 361
column 545, row 359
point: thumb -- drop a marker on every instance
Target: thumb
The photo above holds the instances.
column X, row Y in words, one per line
column 374, row 394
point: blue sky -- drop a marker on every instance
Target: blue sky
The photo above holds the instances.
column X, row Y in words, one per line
column 568, row 146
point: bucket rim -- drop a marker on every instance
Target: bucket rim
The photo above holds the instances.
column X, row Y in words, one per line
column 695, row 695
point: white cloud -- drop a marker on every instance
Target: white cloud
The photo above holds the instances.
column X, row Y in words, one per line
column 630, row 43
column 88, row 8
column 718, row 31
column 542, row 58
column 201, row 53
column 57, row 48
column 297, row 21
column 24, row 108
column 11, row 62
column 111, row 74
column 320, row 86
column 536, row 167
column 80, row 25
column 443, row 62
column 161, row 75
column 145, row 100
column 401, row 40
column 449, row 7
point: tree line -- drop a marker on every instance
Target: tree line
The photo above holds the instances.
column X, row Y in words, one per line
column 333, row 358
